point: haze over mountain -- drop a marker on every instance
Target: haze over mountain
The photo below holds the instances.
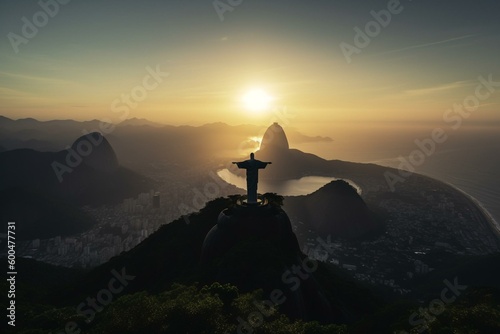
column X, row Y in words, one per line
column 87, row 178
column 42, row 190
column 139, row 142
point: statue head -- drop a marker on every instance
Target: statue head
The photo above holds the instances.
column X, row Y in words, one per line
column 252, row 156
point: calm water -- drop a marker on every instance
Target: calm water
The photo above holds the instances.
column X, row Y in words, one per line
column 303, row 186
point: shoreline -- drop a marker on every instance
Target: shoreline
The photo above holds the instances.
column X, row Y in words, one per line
column 493, row 223
column 495, row 226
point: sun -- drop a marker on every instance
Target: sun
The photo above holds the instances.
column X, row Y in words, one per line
column 257, row 100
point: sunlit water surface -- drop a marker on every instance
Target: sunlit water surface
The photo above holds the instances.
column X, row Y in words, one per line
column 302, row 186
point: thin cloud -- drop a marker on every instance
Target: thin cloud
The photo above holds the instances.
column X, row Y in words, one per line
column 17, row 96
column 419, row 46
column 438, row 88
column 9, row 92
column 35, row 78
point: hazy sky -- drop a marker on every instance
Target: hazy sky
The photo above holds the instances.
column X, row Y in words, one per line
column 83, row 61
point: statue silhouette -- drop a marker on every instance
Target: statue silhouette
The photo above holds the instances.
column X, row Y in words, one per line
column 252, row 166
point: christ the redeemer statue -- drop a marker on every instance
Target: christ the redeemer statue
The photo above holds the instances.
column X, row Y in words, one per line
column 252, row 166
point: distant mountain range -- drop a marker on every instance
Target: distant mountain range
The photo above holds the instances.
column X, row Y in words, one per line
column 138, row 142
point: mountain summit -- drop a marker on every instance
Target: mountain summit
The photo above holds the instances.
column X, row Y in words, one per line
column 288, row 163
column 274, row 139
column 335, row 209
column 100, row 156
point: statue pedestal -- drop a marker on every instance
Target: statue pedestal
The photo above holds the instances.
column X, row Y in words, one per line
column 258, row 221
column 242, row 201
